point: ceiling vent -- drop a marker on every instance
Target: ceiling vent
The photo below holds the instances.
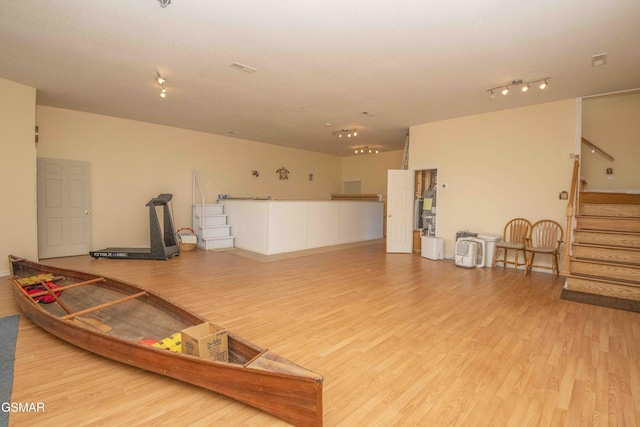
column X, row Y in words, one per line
column 241, row 67
column 599, row 60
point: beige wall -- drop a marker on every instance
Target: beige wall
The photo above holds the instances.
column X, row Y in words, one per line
column 613, row 124
column 133, row 162
column 371, row 170
column 498, row 166
column 17, row 173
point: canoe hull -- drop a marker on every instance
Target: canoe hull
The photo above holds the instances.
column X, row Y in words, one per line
column 287, row 395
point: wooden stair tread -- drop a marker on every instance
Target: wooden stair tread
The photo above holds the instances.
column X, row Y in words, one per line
column 616, row 238
column 609, row 210
column 608, row 223
column 611, row 218
column 597, row 245
column 600, row 279
column 609, row 198
column 595, row 230
column 600, row 262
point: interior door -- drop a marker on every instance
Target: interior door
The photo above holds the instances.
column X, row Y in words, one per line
column 64, row 207
column 400, row 210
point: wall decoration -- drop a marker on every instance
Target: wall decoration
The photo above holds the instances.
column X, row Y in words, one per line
column 284, row 173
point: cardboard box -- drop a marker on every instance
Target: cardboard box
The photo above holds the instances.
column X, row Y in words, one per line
column 206, row 340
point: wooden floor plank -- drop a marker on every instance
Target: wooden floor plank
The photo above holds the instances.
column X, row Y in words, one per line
column 400, row 340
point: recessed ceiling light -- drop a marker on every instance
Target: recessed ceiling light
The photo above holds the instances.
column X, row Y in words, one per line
column 242, row 67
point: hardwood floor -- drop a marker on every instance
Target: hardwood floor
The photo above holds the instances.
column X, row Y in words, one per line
column 400, row 340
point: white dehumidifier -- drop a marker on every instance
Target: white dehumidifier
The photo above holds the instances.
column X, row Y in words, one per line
column 432, row 247
column 469, row 252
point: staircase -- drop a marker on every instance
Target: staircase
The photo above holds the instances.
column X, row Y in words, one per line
column 604, row 267
column 211, row 227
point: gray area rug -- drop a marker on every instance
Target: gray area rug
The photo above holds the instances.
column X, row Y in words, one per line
column 8, row 336
column 601, row 300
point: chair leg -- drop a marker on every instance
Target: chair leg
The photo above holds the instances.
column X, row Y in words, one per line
column 515, row 263
column 529, row 256
column 496, row 260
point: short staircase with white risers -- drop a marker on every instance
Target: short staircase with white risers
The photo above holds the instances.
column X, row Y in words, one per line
column 211, row 227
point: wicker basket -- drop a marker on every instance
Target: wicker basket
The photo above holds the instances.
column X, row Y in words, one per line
column 185, row 232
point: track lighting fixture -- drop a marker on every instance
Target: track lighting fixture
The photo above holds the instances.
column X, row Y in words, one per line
column 161, row 81
column 504, row 89
column 366, row 150
column 346, row 133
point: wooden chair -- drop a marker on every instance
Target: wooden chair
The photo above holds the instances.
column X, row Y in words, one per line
column 515, row 234
column 546, row 237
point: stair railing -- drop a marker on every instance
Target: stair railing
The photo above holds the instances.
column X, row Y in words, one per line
column 571, row 207
column 196, row 182
column 595, row 149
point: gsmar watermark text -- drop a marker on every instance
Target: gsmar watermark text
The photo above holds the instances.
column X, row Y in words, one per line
column 22, row 407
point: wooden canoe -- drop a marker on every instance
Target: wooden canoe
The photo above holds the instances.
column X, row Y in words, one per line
column 111, row 317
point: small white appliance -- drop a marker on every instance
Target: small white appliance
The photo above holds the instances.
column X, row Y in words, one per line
column 470, row 252
column 490, row 241
column 432, row 247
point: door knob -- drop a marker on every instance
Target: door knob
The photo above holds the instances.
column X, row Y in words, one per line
column 87, row 212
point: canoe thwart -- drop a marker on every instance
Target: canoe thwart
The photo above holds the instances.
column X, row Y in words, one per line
column 74, row 285
column 256, row 357
column 105, row 305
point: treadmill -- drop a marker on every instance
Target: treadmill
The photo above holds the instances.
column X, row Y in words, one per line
column 163, row 245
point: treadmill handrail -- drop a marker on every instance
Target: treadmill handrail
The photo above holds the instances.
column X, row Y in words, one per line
column 162, row 199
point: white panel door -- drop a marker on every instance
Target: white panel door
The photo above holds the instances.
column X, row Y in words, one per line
column 400, row 210
column 64, row 208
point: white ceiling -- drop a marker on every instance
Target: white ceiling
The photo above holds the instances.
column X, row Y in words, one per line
column 320, row 63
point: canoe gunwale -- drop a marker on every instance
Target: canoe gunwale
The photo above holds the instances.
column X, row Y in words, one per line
column 260, row 388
